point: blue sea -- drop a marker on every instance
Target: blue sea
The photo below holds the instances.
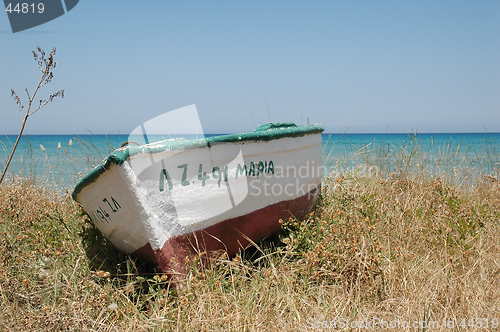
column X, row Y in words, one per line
column 59, row 161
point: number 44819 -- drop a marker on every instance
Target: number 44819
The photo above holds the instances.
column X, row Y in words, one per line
column 25, row 8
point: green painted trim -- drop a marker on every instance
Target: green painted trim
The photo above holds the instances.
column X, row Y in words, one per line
column 266, row 132
column 274, row 125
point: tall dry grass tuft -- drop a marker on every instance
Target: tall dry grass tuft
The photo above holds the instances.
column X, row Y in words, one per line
column 393, row 248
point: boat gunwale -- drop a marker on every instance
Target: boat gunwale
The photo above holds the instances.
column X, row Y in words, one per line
column 120, row 155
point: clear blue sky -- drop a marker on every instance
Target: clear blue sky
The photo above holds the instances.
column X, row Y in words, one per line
column 351, row 66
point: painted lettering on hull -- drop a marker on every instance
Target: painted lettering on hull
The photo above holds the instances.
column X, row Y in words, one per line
column 104, row 212
column 216, row 173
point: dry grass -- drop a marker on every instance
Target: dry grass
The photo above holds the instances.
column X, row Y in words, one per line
column 395, row 248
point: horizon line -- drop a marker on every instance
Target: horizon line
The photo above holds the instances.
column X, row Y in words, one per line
column 229, row 133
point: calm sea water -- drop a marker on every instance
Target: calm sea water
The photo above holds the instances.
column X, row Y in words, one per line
column 60, row 160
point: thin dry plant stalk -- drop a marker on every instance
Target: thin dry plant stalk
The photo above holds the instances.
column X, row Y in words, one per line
column 46, row 64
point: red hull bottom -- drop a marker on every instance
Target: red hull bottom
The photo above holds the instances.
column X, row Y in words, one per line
column 230, row 235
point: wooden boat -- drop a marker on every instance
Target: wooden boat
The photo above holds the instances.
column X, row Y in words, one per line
column 171, row 199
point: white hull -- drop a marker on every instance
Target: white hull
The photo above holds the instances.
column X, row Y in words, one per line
column 127, row 206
